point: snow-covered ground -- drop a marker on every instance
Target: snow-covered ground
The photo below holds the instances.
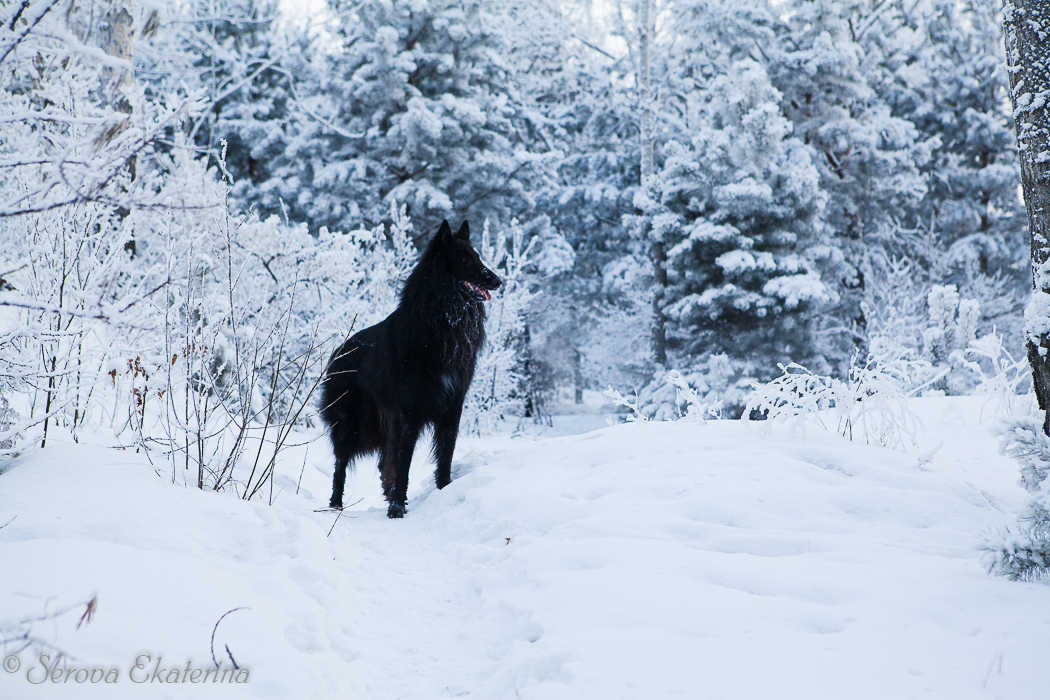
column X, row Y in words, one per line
column 658, row 560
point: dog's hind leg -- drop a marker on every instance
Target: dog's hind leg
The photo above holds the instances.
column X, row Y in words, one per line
column 446, row 429
column 343, row 453
column 347, row 443
column 338, row 483
column 388, row 470
column 395, row 463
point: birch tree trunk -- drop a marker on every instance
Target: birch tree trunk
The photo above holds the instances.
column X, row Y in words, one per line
column 645, row 87
column 117, row 33
column 648, row 137
column 1026, row 26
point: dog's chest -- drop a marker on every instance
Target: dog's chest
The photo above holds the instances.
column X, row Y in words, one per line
column 449, row 382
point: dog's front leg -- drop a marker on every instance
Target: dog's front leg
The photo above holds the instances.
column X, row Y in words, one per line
column 446, row 430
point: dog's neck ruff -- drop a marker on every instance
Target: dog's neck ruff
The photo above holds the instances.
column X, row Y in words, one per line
column 434, row 297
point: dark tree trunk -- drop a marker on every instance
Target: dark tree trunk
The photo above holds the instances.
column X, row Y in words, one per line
column 577, row 376
column 1026, row 25
column 659, row 291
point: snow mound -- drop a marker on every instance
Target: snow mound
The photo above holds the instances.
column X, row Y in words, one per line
column 648, row 560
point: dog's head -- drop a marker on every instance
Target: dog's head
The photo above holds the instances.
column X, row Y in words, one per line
column 464, row 264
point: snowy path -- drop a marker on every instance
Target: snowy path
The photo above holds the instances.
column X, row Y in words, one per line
column 643, row 561
column 418, row 619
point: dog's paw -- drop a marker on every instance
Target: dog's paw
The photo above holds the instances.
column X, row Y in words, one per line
column 442, row 481
column 396, row 510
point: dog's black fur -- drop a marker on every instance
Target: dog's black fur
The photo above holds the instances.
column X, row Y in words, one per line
column 388, row 382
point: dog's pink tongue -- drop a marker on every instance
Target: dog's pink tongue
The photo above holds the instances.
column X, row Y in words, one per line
column 488, row 297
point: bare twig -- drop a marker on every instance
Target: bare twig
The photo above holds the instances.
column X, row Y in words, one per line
column 214, row 629
column 17, row 637
column 339, row 514
column 89, row 611
column 230, row 654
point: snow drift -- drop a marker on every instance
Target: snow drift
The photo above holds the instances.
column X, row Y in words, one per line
column 650, row 560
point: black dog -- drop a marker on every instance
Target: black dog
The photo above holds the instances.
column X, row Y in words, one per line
column 388, row 382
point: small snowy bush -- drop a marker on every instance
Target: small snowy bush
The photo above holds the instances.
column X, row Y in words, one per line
column 953, row 327
column 999, row 375
column 716, row 386
column 907, row 318
column 1025, row 554
column 870, row 405
column 635, row 415
column 252, row 310
column 696, row 408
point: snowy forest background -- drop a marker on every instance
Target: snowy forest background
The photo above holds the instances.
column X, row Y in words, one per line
column 803, row 211
column 199, row 199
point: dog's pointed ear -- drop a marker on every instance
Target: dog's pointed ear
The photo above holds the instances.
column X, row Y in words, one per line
column 444, row 233
column 463, row 233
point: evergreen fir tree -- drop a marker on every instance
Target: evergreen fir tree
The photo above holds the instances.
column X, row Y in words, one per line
column 947, row 76
column 741, row 211
column 869, row 160
column 414, row 102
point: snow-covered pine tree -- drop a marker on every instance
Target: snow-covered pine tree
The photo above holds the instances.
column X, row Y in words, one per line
column 740, row 208
column 712, row 35
column 953, row 326
column 822, row 57
column 825, row 62
column 410, row 101
column 943, row 70
column 824, row 65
